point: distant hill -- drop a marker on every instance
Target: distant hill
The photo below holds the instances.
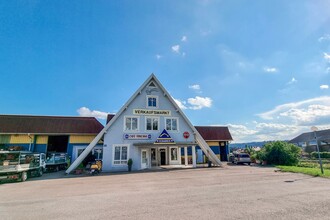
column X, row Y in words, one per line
column 250, row 144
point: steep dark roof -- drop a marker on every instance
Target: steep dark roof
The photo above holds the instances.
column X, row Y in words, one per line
column 323, row 135
column 109, row 117
column 214, row 133
column 16, row 124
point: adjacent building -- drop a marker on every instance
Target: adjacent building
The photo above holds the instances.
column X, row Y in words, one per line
column 308, row 140
column 50, row 134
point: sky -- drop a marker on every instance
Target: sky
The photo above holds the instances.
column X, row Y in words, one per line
column 262, row 68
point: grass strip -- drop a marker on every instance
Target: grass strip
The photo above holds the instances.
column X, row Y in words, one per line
column 305, row 170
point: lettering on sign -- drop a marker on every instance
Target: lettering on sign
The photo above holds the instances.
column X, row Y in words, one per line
column 151, row 112
column 137, row 136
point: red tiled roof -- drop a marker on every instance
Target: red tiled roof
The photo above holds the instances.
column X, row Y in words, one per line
column 17, row 124
column 214, row 133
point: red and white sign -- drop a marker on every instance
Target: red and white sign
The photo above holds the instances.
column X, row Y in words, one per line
column 186, row 134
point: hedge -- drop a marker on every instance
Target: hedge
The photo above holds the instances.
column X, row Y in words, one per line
column 322, row 154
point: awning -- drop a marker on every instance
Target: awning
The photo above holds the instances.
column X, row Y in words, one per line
column 179, row 144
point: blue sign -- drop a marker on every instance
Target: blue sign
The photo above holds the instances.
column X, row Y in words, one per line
column 164, row 138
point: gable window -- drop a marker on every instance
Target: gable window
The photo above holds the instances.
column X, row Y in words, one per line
column 120, row 154
column 131, row 123
column 152, row 101
column 171, row 124
column 152, row 123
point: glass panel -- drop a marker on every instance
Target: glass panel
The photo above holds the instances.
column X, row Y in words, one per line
column 128, row 124
column 168, row 124
column 134, row 124
column 174, row 124
column 124, row 153
column 153, row 154
column 174, row 154
column 148, row 124
column 155, row 124
column 117, row 153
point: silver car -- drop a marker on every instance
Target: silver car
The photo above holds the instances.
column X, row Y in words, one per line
column 240, row 158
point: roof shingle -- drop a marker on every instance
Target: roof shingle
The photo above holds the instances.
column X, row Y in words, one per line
column 214, row 133
column 17, row 124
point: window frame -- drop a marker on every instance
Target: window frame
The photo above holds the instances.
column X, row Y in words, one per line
column 147, row 101
column 152, row 117
column 120, row 160
column 177, row 124
column 138, row 123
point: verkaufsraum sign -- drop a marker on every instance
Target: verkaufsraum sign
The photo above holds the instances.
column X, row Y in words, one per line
column 151, row 112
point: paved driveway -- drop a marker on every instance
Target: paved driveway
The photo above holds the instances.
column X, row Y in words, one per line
column 233, row 192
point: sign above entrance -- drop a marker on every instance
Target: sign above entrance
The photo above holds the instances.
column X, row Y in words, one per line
column 151, row 112
column 164, row 138
column 137, row 136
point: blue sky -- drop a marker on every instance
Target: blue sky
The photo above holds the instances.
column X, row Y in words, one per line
column 260, row 67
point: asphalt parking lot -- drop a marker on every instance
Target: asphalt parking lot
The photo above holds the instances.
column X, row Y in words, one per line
column 232, row 192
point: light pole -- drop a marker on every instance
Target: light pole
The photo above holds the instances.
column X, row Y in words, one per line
column 314, row 129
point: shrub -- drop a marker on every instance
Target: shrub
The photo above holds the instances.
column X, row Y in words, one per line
column 280, row 153
column 322, row 155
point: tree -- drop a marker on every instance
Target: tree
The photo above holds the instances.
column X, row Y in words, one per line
column 280, row 153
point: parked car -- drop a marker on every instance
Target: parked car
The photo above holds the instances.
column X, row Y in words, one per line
column 240, row 158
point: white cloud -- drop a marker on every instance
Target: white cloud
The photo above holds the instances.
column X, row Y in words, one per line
column 196, row 103
column 195, row 87
column 270, row 69
column 158, row 56
column 327, row 70
column 86, row 112
column 324, row 86
column 176, row 48
column 184, row 38
column 293, row 80
column 326, row 56
column 264, row 132
column 180, row 103
column 200, row 102
column 316, row 110
column 324, row 37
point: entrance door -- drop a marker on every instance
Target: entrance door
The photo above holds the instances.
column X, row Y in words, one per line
column 223, row 153
column 144, row 159
column 162, row 157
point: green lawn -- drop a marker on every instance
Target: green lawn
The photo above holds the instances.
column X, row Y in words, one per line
column 305, row 170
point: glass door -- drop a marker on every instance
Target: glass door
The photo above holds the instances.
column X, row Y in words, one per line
column 144, row 159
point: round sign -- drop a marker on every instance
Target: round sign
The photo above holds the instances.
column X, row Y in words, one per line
column 186, row 134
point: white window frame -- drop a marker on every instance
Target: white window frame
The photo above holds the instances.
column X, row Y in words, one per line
column 121, row 162
column 138, row 123
column 177, row 124
column 147, row 101
column 150, row 117
column 177, row 154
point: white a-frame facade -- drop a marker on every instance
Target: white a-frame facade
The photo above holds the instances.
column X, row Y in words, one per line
column 151, row 130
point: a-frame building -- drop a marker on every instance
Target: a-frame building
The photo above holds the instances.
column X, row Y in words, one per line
column 150, row 129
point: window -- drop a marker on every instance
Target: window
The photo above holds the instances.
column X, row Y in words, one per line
column 152, row 124
column 171, row 124
column 152, row 102
column 174, row 153
column 120, row 154
column 131, row 123
column 98, row 153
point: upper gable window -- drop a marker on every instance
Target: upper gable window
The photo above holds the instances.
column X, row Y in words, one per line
column 152, row 101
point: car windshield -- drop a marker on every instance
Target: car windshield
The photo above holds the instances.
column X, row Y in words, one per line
column 244, row 155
